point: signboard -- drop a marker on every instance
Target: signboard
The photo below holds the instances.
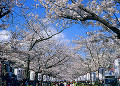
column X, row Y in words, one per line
column 82, row 77
column 32, row 75
column 78, row 78
column 85, row 77
column 57, row 80
column 52, row 79
column 19, row 73
column 39, row 76
column 48, row 78
column 15, row 71
column 44, row 78
column 93, row 75
column 88, row 76
column 101, row 73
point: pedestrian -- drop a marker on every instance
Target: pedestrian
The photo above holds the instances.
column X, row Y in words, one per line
column 71, row 84
column 61, row 83
column 74, row 83
column 57, row 84
column 68, row 83
column 65, row 84
column 22, row 84
column 54, row 83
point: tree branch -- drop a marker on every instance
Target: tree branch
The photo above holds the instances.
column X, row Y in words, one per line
column 5, row 13
column 55, row 64
column 77, row 18
column 93, row 16
column 101, row 20
column 42, row 39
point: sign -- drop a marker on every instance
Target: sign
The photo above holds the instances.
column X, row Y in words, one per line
column 39, row 76
column 101, row 73
column 48, row 78
column 85, row 77
column 32, row 75
column 15, row 71
column 88, row 76
column 78, row 78
column 19, row 73
column 52, row 79
column 82, row 77
column 93, row 75
column 44, row 78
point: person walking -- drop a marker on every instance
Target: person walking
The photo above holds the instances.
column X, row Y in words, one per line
column 61, row 83
column 68, row 83
column 71, row 84
column 74, row 83
column 65, row 84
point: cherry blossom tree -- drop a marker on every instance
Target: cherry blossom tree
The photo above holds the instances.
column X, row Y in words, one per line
column 26, row 18
column 6, row 12
column 93, row 12
column 5, row 7
column 32, row 32
column 48, row 54
column 98, row 49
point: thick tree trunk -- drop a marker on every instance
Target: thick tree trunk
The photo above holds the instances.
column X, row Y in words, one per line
column 28, row 65
column 90, row 78
column 41, row 80
column 98, row 78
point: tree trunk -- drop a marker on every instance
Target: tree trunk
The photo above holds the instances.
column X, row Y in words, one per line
column 28, row 65
column 98, row 78
column 90, row 78
column 41, row 80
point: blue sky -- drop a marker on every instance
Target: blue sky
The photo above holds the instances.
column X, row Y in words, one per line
column 71, row 32
column 68, row 33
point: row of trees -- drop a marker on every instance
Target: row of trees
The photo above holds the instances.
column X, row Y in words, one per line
column 98, row 50
column 86, row 54
column 34, row 28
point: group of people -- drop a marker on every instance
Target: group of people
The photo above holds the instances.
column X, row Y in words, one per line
column 64, row 83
